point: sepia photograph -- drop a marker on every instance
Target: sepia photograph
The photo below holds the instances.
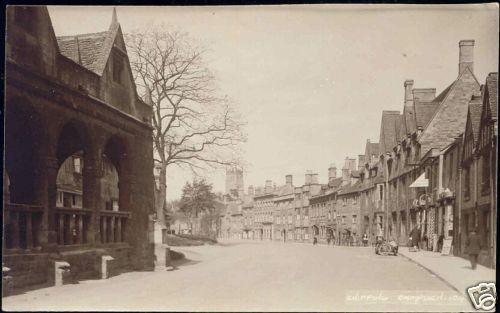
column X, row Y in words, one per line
column 250, row 158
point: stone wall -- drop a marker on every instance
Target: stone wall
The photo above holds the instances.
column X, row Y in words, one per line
column 28, row 269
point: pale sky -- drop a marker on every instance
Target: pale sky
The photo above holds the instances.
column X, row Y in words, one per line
column 312, row 80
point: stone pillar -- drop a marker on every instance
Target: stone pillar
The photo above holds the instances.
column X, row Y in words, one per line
column 15, row 229
column 92, row 192
column 47, row 193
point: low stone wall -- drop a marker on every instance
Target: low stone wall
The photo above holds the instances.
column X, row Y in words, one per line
column 38, row 268
column 28, row 269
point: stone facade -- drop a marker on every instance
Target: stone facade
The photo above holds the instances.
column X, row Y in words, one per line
column 431, row 168
column 64, row 99
column 436, row 138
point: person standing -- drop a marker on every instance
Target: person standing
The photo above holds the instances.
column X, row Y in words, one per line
column 473, row 246
column 415, row 238
column 365, row 239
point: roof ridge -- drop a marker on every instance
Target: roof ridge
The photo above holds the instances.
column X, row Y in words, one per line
column 80, row 35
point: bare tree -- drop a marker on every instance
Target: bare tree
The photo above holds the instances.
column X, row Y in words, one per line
column 194, row 127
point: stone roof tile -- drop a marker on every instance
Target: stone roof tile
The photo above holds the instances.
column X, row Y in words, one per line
column 492, row 87
column 424, row 110
column 388, row 131
column 89, row 50
column 450, row 117
column 475, row 106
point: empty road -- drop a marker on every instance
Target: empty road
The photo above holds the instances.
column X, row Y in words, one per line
column 260, row 276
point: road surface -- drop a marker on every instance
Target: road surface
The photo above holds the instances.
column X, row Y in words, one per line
column 260, row 276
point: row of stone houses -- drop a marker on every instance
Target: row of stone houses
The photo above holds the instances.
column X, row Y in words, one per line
column 78, row 169
column 434, row 165
column 296, row 213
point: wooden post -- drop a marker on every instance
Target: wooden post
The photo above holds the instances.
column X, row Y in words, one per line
column 112, row 230
column 118, row 229
column 72, row 229
column 104, row 235
column 80, row 228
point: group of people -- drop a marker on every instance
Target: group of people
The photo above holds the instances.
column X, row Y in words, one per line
column 348, row 239
column 473, row 244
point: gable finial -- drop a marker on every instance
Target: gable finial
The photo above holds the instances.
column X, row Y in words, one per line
column 114, row 18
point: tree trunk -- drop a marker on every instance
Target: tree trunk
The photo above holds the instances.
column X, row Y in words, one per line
column 162, row 193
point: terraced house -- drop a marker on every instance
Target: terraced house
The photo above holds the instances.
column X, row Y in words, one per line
column 323, row 207
column 431, row 168
column 284, row 213
column 477, row 182
column 78, row 171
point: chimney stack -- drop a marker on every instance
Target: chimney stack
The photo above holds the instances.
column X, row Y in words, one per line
column 251, row 191
column 308, row 177
column 289, row 180
column 466, row 55
column 314, row 179
column 424, row 94
column 332, row 172
column 361, row 161
column 408, row 92
column 269, row 186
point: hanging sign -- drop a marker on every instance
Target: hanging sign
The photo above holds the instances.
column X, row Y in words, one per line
column 421, row 181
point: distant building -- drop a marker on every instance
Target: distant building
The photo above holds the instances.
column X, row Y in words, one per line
column 234, row 182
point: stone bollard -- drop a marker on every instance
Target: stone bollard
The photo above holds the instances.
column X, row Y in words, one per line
column 105, row 266
column 62, row 271
column 7, row 281
column 167, row 257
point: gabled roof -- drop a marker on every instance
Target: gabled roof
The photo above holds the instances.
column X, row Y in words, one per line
column 409, row 121
column 401, row 128
column 450, row 117
column 335, row 183
column 371, row 148
column 475, row 106
column 424, row 110
column 388, row 131
column 357, row 187
column 90, row 50
column 285, row 190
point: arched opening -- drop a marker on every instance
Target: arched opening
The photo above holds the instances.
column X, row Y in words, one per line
column 114, row 191
column 72, row 220
column 22, row 209
column 315, row 230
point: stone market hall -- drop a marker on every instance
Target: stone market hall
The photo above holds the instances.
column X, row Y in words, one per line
column 78, row 167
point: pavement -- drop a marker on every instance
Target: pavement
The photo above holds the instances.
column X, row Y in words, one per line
column 455, row 271
column 259, row 276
